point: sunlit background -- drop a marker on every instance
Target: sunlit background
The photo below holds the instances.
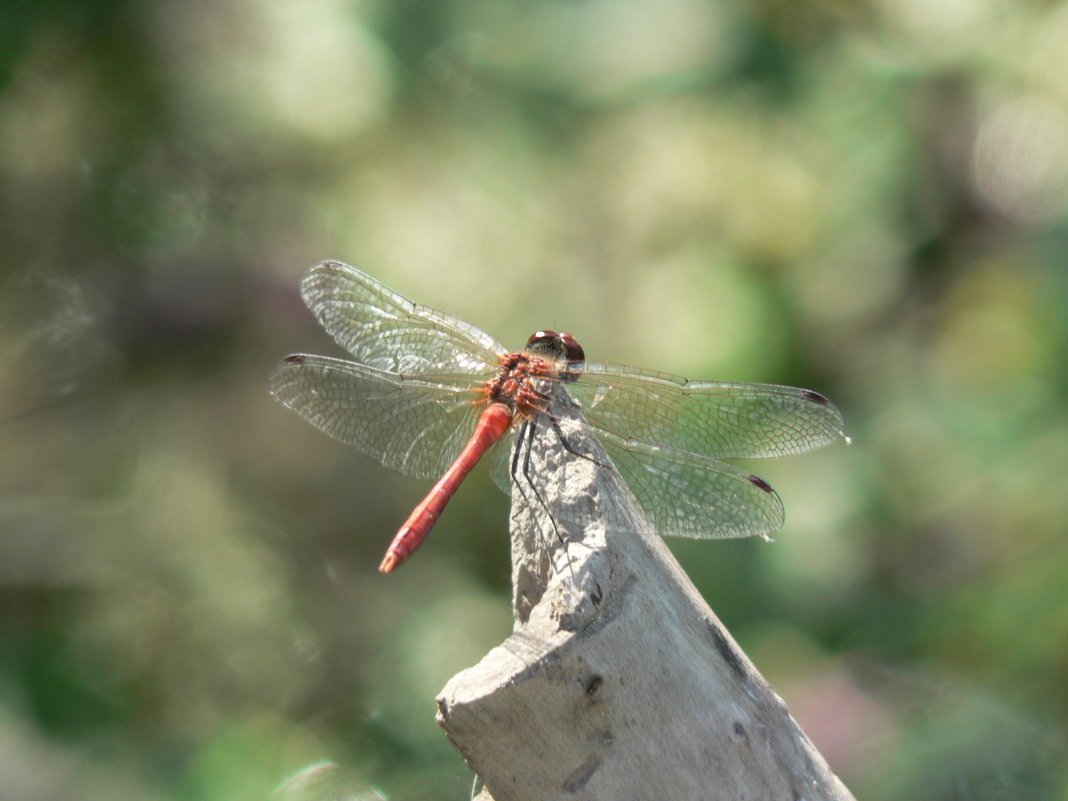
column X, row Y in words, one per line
column 866, row 198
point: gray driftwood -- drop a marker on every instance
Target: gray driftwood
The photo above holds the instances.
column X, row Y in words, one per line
column 618, row 683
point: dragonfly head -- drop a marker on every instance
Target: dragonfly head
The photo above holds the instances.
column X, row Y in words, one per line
column 560, row 347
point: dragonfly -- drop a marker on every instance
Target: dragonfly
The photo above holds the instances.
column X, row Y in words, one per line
column 428, row 395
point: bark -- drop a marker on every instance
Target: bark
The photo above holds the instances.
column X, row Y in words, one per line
column 618, row 682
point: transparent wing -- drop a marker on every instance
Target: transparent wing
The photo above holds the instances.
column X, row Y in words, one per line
column 391, row 333
column 416, row 426
column 499, row 460
column 718, row 419
column 683, row 494
column 689, row 495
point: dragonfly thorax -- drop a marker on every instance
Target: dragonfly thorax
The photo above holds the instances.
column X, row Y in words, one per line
column 516, row 383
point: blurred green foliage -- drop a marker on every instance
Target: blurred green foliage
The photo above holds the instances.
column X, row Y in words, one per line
column 866, row 198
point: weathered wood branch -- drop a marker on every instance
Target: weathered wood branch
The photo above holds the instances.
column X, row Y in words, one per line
column 618, row 683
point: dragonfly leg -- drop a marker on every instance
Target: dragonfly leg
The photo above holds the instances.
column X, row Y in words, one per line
column 567, row 445
column 523, row 474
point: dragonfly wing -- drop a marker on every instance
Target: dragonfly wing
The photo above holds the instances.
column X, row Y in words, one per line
column 718, row 419
column 688, row 495
column 391, row 333
column 500, row 463
column 416, row 426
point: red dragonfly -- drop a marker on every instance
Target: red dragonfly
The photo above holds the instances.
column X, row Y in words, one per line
column 428, row 395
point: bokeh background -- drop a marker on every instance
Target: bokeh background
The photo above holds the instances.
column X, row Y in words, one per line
column 867, row 198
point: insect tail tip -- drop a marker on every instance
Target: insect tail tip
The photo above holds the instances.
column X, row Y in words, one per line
column 388, row 563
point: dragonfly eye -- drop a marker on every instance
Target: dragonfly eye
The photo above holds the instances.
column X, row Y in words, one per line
column 573, row 351
column 540, row 336
column 546, row 343
column 561, row 347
